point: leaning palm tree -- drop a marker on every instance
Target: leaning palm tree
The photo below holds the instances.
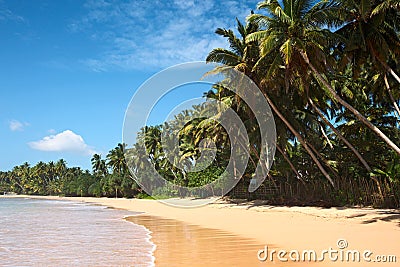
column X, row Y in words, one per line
column 245, row 56
column 293, row 31
column 371, row 27
column 370, row 32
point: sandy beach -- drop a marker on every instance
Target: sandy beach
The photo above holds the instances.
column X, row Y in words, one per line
column 226, row 234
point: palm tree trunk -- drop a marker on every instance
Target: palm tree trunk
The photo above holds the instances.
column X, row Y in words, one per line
column 252, row 148
column 324, row 160
column 300, row 138
column 298, row 176
column 393, row 73
column 385, row 65
column 325, row 136
column 341, row 137
column 350, row 107
column 396, row 107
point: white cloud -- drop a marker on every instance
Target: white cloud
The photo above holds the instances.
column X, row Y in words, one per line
column 156, row 34
column 15, row 125
column 67, row 141
column 184, row 4
column 7, row 15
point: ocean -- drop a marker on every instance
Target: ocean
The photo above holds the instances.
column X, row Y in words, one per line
column 37, row 232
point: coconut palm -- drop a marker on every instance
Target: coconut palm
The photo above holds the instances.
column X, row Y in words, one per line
column 251, row 63
column 293, row 32
column 99, row 165
column 152, row 141
column 371, row 32
column 61, row 168
column 116, row 159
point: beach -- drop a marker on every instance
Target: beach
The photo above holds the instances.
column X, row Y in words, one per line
column 282, row 116
column 230, row 234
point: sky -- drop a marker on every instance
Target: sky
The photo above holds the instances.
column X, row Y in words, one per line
column 68, row 69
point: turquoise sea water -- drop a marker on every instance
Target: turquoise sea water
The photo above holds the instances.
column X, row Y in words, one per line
column 62, row 233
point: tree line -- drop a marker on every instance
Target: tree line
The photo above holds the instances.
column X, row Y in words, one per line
column 329, row 71
column 109, row 178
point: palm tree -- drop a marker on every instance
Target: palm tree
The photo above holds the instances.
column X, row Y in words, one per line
column 341, row 137
column 370, row 32
column 293, row 33
column 51, row 171
column 116, row 159
column 98, row 165
column 39, row 180
column 61, row 168
column 394, row 102
column 20, row 177
column 246, row 56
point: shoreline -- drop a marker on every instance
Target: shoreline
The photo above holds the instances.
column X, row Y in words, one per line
column 291, row 228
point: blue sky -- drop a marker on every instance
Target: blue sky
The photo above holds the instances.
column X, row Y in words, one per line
column 69, row 68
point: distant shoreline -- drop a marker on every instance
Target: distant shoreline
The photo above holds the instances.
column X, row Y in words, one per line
column 377, row 230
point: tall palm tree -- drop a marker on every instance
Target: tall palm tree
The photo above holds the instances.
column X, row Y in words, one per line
column 293, row 32
column 246, row 56
column 152, row 141
column 37, row 180
column 99, row 165
column 370, row 32
column 116, row 159
column 61, row 168
column 339, row 134
column 51, row 170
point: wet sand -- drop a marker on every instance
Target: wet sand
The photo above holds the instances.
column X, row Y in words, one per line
column 180, row 245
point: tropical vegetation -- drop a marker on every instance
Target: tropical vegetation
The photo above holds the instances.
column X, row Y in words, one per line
column 328, row 69
column 107, row 178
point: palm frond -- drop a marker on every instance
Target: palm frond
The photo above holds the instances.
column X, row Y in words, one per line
column 241, row 28
column 268, row 5
column 273, row 67
column 281, row 14
column 234, row 42
column 224, row 56
column 385, row 5
column 269, row 44
column 260, row 20
column 287, row 51
column 324, row 13
column 257, row 36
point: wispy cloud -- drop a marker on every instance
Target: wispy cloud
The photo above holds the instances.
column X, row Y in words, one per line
column 15, row 125
column 7, row 15
column 154, row 34
column 67, row 141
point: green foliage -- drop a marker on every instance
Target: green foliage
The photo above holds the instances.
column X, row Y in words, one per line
column 206, row 176
column 309, row 58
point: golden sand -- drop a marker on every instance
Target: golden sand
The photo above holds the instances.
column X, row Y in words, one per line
column 207, row 235
column 180, row 244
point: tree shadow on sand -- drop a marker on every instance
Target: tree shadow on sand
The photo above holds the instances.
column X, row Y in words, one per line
column 386, row 216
